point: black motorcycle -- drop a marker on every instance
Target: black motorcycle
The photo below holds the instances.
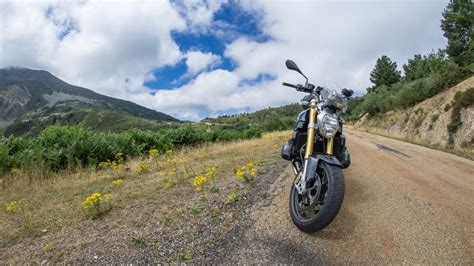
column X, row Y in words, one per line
column 318, row 153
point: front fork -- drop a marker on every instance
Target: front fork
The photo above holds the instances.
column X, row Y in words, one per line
column 313, row 113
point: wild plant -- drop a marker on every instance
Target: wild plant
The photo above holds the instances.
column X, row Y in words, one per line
column 247, row 172
column 199, row 182
column 211, row 175
column 16, row 206
column 97, row 204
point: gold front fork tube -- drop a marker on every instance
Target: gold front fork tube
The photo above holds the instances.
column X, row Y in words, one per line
column 311, row 129
column 330, row 146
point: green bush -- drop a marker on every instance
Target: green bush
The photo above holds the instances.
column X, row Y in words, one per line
column 61, row 147
column 407, row 92
column 461, row 100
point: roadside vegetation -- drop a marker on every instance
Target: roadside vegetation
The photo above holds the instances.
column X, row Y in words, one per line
column 424, row 75
column 71, row 147
column 270, row 119
column 45, row 215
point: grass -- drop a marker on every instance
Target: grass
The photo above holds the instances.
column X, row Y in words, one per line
column 54, row 201
column 139, row 242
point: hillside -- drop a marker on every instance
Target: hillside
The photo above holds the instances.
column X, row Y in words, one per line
column 444, row 121
column 31, row 100
column 272, row 118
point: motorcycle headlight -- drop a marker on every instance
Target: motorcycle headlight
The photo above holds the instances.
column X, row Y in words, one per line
column 328, row 124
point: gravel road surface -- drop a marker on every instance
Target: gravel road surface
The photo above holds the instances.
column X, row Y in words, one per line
column 403, row 204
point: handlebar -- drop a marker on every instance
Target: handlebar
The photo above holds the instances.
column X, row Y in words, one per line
column 309, row 88
column 290, row 85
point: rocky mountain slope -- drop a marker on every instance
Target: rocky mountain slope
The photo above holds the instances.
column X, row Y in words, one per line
column 440, row 121
column 31, row 100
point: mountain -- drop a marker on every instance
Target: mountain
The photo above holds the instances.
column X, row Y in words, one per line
column 31, row 100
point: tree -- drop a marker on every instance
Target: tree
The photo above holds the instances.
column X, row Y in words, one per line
column 385, row 72
column 457, row 24
column 423, row 66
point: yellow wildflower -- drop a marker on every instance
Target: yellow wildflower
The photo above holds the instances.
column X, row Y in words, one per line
column 117, row 182
column 169, row 152
column 154, row 153
column 173, row 172
column 92, row 201
column 142, row 167
column 211, row 171
column 253, row 172
column 105, row 165
column 15, row 206
column 199, row 181
column 247, row 172
column 241, row 173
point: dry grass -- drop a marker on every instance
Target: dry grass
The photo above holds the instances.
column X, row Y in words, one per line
column 54, row 201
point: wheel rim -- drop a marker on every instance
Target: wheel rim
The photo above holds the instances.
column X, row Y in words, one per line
column 306, row 209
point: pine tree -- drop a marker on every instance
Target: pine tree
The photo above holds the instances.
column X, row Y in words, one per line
column 385, row 72
column 458, row 27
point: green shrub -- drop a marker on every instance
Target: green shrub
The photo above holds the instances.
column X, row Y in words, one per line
column 461, row 100
column 61, row 147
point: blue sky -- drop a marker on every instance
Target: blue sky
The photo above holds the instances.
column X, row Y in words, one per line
column 194, row 59
column 232, row 19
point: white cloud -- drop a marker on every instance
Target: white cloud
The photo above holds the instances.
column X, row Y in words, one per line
column 339, row 41
column 335, row 43
column 113, row 47
column 199, row 13
column 198, row 61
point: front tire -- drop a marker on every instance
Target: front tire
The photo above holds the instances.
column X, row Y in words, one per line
column 332, row 201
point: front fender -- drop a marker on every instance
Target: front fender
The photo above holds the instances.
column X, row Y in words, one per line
column 314, row 160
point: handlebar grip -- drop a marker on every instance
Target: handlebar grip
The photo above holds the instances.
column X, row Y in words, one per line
column 289, row 85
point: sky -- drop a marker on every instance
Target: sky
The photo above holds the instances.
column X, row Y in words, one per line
column 195, row 59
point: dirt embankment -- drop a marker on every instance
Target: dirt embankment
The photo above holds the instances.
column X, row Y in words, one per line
column 427, row 123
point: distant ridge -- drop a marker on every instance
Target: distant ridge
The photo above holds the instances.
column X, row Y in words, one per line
column 31, row 100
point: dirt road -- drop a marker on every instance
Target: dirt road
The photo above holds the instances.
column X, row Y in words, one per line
column 403, row 204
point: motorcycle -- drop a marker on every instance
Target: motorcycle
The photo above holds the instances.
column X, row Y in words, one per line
column 318, row 153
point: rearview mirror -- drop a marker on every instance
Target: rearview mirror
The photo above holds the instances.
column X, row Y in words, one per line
column 292, row 66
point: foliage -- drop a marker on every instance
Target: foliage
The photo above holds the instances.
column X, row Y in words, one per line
column 139, row 242
column 406, row 92
column 234, row 197
column 117, row 182
column 61, row 147
column 457, row 24
column 211, row 175
column 385, row 72
column 97, row 204
column 196, row 209
column 199, row 182
column 270, row 119
column 423, row 66
column 185, row 255
column 16, row 206
column 153, row 153
column 461, row 100
column 247, row 172
column 142, row 168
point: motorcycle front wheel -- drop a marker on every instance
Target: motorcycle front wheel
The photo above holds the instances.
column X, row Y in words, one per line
column 311, row 215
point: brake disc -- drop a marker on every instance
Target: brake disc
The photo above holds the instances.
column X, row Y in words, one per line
column 310, row 198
